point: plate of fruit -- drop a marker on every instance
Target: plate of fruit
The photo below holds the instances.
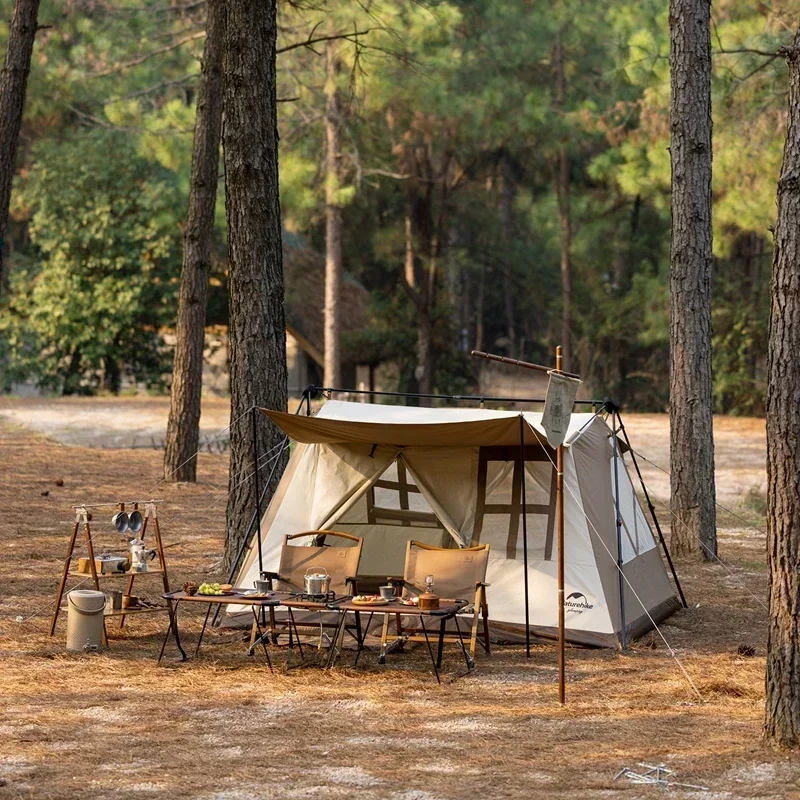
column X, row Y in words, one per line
column 217, row 589
column 370, row 600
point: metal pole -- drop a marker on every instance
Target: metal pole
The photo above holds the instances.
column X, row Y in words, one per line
column 560, row 517
column 257, row 488
column 653, row 513
column 462, row 398
column 517, row 363
column 524, row 536
column 619, row 534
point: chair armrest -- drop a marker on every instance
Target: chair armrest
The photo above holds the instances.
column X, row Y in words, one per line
column 352, row 583
column 266, row 576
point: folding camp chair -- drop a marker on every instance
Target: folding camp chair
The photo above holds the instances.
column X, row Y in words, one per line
column 341, row 563
column 459, row 574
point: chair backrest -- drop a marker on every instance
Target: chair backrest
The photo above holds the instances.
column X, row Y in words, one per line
column 456, row 572
column 340, row 562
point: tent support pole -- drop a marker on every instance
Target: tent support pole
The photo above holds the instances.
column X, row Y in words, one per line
column 619, row 533
column 562, row 666
column 653, row 513
column 257, row 488
column 524, row 535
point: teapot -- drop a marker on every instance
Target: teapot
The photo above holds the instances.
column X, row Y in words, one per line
column 140, row 555
column 316, row 583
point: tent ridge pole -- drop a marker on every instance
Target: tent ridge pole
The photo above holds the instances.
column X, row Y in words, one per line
column 618, row 515
column 652, row 509
column 524, row 535
column 309, row 390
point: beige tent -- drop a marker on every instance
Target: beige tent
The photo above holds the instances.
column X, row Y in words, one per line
column 454, row 477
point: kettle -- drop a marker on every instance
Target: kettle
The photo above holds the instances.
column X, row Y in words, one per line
column 140, row 555
column 317, row 582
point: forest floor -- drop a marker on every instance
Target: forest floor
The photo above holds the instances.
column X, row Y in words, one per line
column 221, row 726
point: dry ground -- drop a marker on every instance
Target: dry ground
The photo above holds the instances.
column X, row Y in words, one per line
column 222, row 726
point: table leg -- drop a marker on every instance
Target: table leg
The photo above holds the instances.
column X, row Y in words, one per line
column 173, row 626
column 430, row 649
column 203, row 629
column 440, row 648
column 261, row 635
column 362, row 637
column 293, row 624
column 338, row 632
column 467, row 657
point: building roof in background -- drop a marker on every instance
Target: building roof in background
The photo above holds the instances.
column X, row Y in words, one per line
column 304, row 278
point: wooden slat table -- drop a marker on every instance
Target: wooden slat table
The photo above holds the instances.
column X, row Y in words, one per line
column 237, row 598
column 448, row 609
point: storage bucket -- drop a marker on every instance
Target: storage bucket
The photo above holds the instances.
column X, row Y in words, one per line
column 85, row 609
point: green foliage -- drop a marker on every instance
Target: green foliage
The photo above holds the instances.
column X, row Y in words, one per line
column 452, row 103
column 102, row 274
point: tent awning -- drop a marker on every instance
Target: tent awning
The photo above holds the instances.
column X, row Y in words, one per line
column 503, row 430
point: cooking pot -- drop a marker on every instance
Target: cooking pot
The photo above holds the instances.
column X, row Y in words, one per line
column 317, row 582
column 120, row 521
column 135, row 521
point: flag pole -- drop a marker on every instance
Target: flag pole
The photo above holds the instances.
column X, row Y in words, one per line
column 560, row 518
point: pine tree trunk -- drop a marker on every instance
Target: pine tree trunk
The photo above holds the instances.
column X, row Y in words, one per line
column 420, row 284
column 183, row 428
column 507, row 194
column 782, row 717
column 691, row 429
column 13, row 82
column 257, row 332
column 333, row 222
column 564, row 219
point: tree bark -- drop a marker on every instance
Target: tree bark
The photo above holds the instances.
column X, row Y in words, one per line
column 257, row 332
column 782, row 716
column 507, row 194
column 183, row 428
column 691, row 405
column 421, row 283
column 13, row 83
column 334, row 268
column 564, row 218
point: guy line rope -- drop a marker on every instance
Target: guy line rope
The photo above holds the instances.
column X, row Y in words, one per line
column 630, row 586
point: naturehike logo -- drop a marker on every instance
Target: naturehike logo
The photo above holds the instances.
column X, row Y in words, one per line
column 578, row 603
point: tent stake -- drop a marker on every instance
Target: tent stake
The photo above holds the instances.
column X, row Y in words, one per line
column 621, row 576
column 524, row 536
column 560, row 514
column 652, row 512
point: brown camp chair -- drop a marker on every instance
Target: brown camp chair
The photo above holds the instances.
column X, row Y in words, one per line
column 341, row 563
column 459, row 574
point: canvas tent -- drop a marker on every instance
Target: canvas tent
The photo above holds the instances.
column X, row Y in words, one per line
column 453, row 477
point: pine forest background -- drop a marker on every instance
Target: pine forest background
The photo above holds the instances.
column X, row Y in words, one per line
column 521, row 146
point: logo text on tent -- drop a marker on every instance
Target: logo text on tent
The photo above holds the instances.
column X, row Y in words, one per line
column 578, row 603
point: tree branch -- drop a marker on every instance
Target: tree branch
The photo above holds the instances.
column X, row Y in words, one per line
column 142, row 58
column 311, row 41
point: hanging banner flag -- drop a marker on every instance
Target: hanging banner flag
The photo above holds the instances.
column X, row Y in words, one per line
column 558, row 404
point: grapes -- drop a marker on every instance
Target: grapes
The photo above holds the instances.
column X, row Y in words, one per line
column 210, row 588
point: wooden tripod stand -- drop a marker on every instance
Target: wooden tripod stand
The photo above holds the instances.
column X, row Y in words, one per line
column 82, row 519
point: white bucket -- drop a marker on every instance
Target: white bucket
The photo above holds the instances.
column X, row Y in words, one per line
column 85, row 609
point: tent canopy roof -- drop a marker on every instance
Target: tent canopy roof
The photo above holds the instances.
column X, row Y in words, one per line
column 340, row 422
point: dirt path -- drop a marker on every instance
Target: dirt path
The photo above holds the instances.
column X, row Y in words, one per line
column 223, row 728
column 105, row 421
